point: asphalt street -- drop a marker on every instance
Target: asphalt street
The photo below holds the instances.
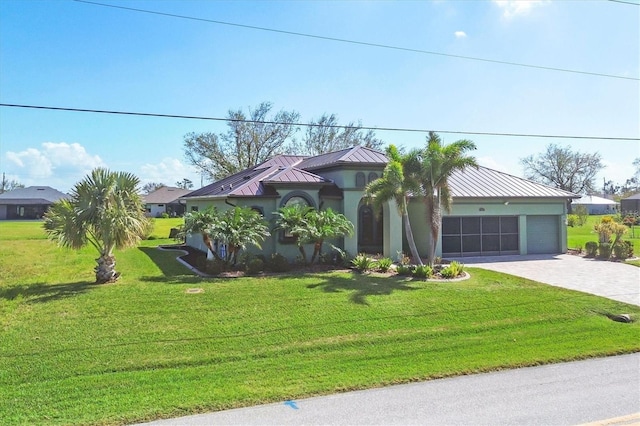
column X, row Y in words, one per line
column 574, row 393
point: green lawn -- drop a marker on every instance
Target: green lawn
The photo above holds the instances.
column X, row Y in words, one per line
column 578, row 236
column 144, row 348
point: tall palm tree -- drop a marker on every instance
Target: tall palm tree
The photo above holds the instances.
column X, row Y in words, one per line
column 438, row 163
column 398, row 182
column 105, row 211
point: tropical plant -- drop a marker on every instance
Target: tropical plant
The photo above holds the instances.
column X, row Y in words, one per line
column 201, row 222
column 104, row 211
column 384, row 264
column 398, row 182
column 325, row 224
column 453, row 270
column 591, row 248
column 292, row 220
column 438, row 163
column 239, row 228
column 363, row 263
column 422, row 271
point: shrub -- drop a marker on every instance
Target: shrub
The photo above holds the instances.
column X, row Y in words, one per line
column 164, row 215
column 148, row 229
column 604, row 250
column 384, row 264
column 363, row 263
column 582, row 213
column 405, row 270
column 279, row 263
column 453, row 270
column 592, row 248
column 422, row 271
column 572, row 220
column 255, row 266
column 623, row 250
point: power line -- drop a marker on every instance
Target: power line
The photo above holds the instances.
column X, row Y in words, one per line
column 361, row 43
column 389, row 129
column 625, row 2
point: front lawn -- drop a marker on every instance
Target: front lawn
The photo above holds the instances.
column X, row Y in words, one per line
column 578, row 236
column 162, row 342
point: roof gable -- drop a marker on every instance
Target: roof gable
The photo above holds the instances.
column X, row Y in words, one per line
column 165, row 195
column 354, row 155
column 31, row 193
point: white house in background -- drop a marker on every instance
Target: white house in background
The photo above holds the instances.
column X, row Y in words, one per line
column 596, row 205
column 165, row 200
column 28, row 203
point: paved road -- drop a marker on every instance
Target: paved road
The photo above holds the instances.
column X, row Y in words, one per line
column 558, row 394
column 614, row 280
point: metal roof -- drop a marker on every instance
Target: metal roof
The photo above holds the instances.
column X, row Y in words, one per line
column 32, row 195
column 354, row 155
column 165, row 195
column 633, row 197
column 488, row 183
column 281, row 160
column 592, row 199
column 295, row 175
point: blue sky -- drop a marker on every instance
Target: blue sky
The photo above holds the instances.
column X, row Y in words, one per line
column 65, row 53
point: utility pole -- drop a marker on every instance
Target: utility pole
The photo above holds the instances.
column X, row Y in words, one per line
column 4, row 183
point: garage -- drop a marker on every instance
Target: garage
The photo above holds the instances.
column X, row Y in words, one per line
column 543, row 234
column 480, row 235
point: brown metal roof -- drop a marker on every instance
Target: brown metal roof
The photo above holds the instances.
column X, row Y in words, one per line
column 354, row 155
column 281, row 160
column 295, row 175
column 488, row 183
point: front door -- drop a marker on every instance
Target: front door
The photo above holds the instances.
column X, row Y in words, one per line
column 370, row 229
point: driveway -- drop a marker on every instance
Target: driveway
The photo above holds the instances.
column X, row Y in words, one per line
column 614, row 280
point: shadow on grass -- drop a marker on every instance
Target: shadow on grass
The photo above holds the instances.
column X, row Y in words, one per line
column 173, row 272
column 363, row 286
column 45, row 292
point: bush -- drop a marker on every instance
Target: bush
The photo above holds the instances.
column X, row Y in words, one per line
column 405, row 270
column 279, row 263
column 384, row 264
column 422, row 271
column 582, row 213
column 255, row 266
column 363, row 263
column 164, row 215
column 592, row 248
column 572, row 220
column 454, row 269
column 604, row 250
column 623, row 250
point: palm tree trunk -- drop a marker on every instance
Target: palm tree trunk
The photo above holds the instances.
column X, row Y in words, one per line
column 106, row 269
column 435, row 214
column 409, row 234
column 317, row 248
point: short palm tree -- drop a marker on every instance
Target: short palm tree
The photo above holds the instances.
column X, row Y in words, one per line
column 202, row 222
column 438, row 163
column 105, row 211
column 239, row 228
column 323, row 225
column 398, row 182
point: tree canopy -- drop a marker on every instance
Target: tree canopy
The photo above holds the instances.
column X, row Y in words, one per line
column 564, row 168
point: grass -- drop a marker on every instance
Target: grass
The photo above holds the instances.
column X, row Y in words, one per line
column 72, row 352
column 578, row 236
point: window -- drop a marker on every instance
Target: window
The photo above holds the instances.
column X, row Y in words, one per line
column 479, row 235
column 297, row 197
column 372, row 176
column 360, row 180
column 194, row 208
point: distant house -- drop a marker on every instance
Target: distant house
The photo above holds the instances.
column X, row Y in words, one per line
column 596, row 205
column 630, row 204
column 28, row 203
column 165, row 200
column 493, row 213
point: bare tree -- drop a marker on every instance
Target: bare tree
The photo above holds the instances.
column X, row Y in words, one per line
column 249, row 141
column 564, row 169
column 326, row 135
column 148, row 188
column 9, row 185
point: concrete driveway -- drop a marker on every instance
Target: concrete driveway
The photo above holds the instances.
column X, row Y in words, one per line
column 614, row 280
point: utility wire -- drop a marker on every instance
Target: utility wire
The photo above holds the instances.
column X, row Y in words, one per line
column 625, row 2
column 361, row 43
column 389, row 129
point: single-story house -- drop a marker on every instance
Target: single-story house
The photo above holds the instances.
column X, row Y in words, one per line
column 630, row 204
column 596, row 205
column 493, row 213
column 165, row 200
column 28, row 203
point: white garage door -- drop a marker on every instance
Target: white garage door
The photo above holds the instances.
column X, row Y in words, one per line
column 543, row 234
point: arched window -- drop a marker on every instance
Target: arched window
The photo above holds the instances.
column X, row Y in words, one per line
column 297, row 197
column 372, row 176
column 360, row 180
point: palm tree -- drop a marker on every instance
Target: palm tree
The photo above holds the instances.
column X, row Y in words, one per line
column 238, row 228
column 202, row 222
column 325, row 224
column 105, row 211
column 438, row 163
column 294, row 222
column 398, row 182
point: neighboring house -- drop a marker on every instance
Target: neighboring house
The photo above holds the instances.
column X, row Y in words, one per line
column 28, row 203
column 630, row 204
column 596, row 205
column 493, row 213
column 165, row 200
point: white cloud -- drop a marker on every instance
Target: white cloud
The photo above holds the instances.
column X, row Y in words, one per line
column 168, row 171
column 513, row 8
column 53, row 164
column 460, row 34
